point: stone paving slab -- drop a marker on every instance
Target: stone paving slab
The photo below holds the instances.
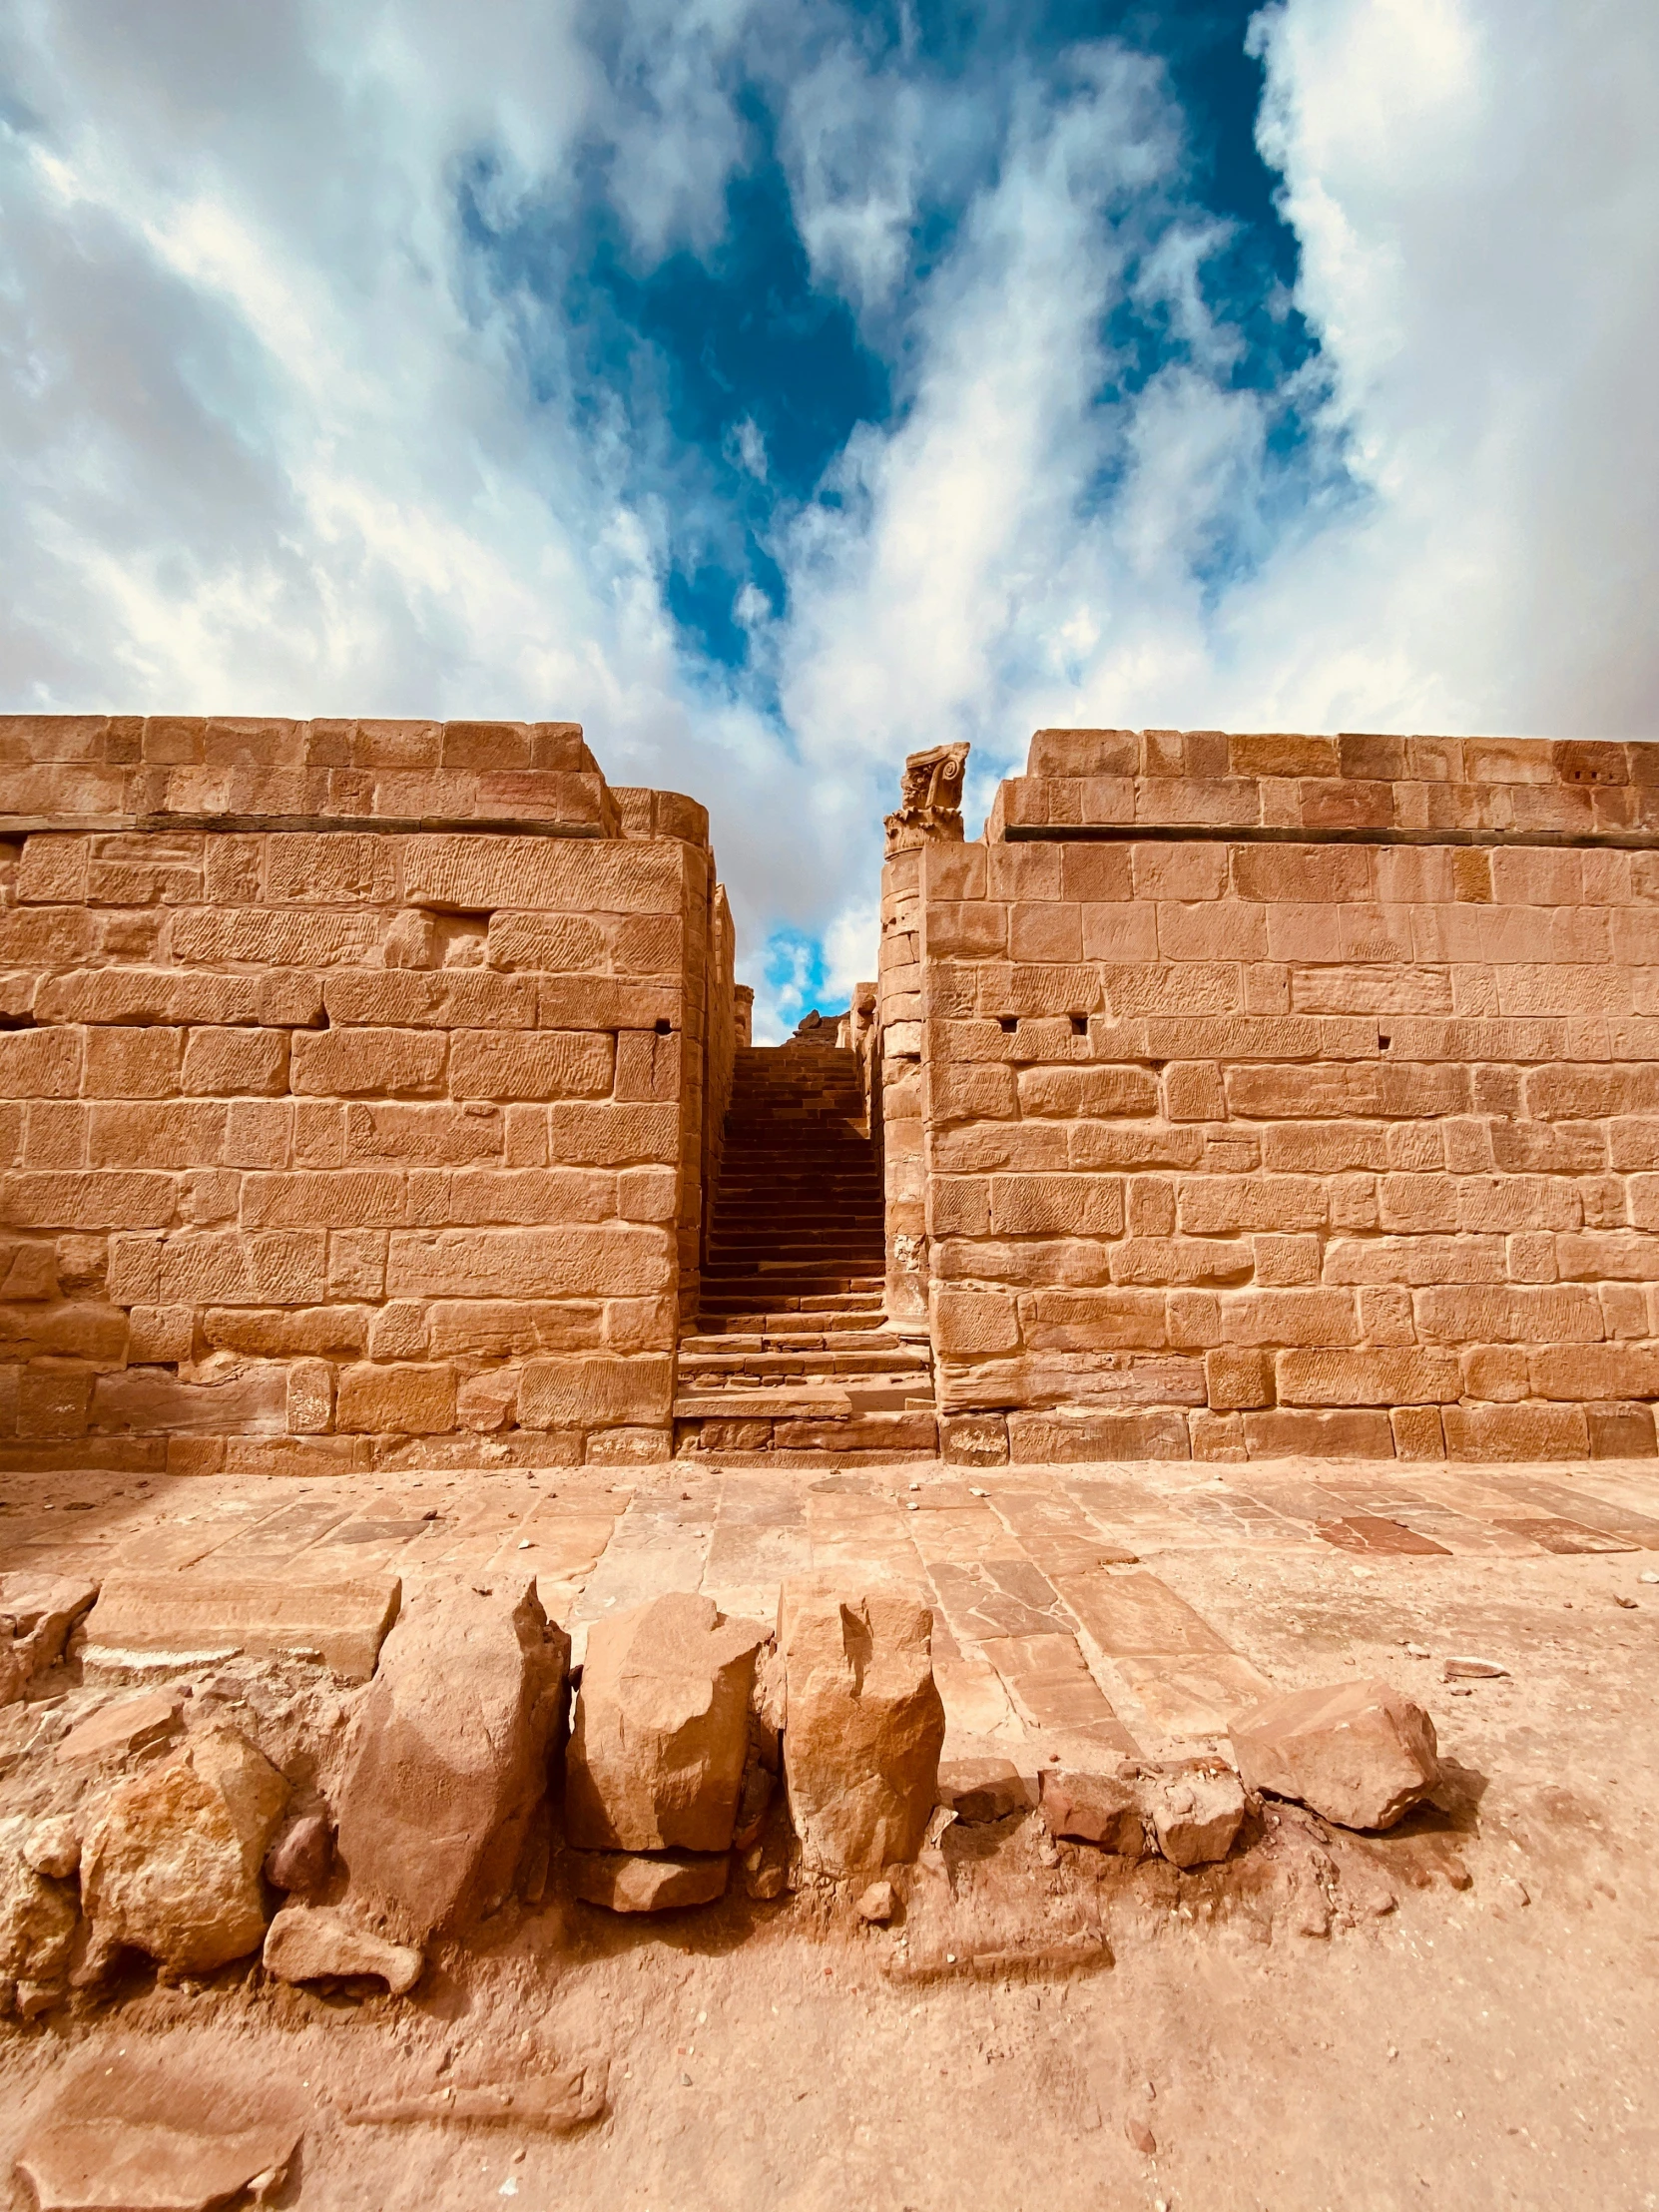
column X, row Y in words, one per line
column 1060, row 1623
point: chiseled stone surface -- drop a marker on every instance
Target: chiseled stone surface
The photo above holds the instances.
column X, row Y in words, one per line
column 1361, row 1752
column 661, row 1728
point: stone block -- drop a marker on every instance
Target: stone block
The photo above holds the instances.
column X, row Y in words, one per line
column 973, row 1440
column 865, row 1726
column 620, row 1882
column 177, row 1620
column 222, row 1063
column 551, row 1064
column 1405, row 1376
column 448, row 1757
column 1352, row 1433
column 171, row 1861
column 413, row 1400
column 1360, row 1754
column 1236, row 1378
column 1516, row 1431
column 1066, row 1435
column 661, row 1731
column 349, row 1063
column 595, row 1390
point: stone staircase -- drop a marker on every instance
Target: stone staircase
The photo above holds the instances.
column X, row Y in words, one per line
column 790, row 1362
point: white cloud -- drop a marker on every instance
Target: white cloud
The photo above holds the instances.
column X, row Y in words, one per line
column 267, row 441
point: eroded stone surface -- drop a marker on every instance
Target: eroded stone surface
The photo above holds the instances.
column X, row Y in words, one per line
column 179, row 2134
column 1361, row 1752
column 448, row 1754
column 661, row 1733
column 170, row 1864
column 38, row 1915
column 130, row 1723
column 1095, row 1806
column 188, row 1617
column 1195, row 1811
column 308, row 1943
column 624, row 1883
column 864, row 1726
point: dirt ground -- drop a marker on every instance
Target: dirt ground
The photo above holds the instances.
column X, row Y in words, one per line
column 1464, row 2011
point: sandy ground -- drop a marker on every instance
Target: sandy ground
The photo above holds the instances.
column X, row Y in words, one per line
column 1488, row 2040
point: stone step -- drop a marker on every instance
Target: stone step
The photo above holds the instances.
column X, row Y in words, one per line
column 792, row 1339
column 697, row 1367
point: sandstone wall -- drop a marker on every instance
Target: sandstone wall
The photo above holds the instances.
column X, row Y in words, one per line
column 1295, row 1094
column 352, row 1093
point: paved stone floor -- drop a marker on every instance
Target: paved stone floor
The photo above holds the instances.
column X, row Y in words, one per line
column 1127, row 1605
column 1489, row 2040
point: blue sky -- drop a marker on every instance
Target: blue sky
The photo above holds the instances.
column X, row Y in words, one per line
column 779, row 385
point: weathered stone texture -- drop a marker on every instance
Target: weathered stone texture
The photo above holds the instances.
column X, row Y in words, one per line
column 314, row 1018
column 1306, row 1085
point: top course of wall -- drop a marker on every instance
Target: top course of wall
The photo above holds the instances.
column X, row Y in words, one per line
column 1444, row 791
column 172, row 772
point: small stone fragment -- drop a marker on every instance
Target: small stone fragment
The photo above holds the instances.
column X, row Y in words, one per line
column 1360, row 1753
column 626, row 1882
column 1195, row 1811
column 171, row 1862
column 308, row 1943
column 1140, row 2136
column 979, row 1791
column 300, row 1855
column 1090, row 1808
column 171, row 2135
column 1629, row 1603
column 52, row 1848
column 877, row 1904
column 661, row 1734
column 130, row 1723
column 865, row 1726
column 1473, row 1670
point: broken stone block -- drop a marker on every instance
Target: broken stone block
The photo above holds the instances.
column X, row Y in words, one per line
column 449, row 1755
column 865, row 1726
column 1101, row 1808
column 308, row 1943
column 661, row 1735
column 170, row 1864
column 877, row 1904
column 37, row 1925
column 185, row 1620
column 36, row 1616
column 1360, row 1753
column 301, row 1854
column 131, row 1723
column 623, row 1882
column 173, row 2135
column 983, row 1790
column 1195, row 1811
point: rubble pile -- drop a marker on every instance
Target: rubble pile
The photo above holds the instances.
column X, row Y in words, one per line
column 338, row 1828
